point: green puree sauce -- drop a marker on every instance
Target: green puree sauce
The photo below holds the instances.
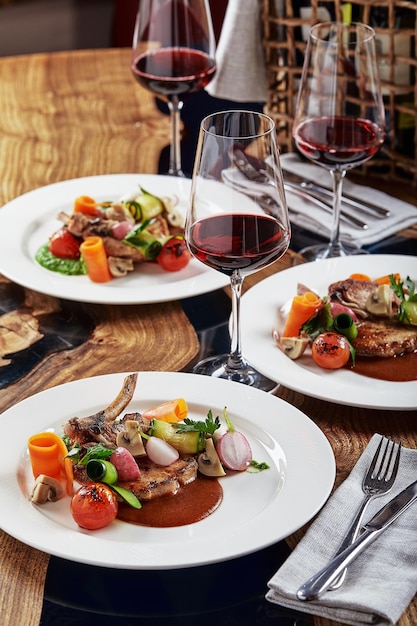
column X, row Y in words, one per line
column 69, row 267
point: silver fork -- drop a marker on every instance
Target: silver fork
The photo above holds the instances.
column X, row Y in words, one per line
column 377, row 481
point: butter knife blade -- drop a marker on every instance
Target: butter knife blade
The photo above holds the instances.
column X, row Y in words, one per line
column 365, row 207
column 320, row 582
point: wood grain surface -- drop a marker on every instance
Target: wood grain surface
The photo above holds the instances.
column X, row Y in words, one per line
column 63, row 116
column 67, row 115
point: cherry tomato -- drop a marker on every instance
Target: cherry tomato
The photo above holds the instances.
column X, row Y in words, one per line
column 64, row 245
column 330, row 350
column 174, row 255
column 94, row 506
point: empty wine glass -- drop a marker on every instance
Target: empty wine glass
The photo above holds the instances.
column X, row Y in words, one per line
column 237, row 220
column 173, row 56
column 339, row 121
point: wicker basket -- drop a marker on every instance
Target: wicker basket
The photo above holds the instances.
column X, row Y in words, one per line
column 284, row 48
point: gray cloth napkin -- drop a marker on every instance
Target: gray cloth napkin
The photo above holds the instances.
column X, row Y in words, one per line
column 241, row 72
column 402, row 215
column 382, row 581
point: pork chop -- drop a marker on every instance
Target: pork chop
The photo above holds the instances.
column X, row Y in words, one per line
column 352, row 293
column 102, row 427
column 154, row 481
column 384, row 338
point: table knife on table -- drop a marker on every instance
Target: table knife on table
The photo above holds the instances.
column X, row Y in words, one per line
column 245, row 165
column 320, row 582
column 362, row 206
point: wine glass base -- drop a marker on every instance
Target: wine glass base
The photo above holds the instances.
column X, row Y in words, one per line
column 324, row 251
column 218, row 367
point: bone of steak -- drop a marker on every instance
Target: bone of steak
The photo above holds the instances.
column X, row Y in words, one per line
column 101, row 427
column 154, row 481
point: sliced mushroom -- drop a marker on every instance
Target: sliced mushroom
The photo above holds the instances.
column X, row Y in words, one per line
column 46, row 489
column 208, row 461
column 294, row 347
column 131, row 439
column 174, row 215
column 120, row 267
column 380, row 301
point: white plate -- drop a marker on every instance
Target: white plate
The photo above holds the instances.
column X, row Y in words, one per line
column 28, row 221
column 257, row 509
column 259, row 316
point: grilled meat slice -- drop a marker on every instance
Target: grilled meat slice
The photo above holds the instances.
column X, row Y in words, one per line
column 384, row 338
column 117, row 248
column 356, row 294
column 352, row 293
column 154, row 481
column 82, row 226
column 101, row 427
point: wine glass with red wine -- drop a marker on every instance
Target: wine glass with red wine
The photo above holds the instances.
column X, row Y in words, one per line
column 339, row 121
column 237, row 219
column 173, row 56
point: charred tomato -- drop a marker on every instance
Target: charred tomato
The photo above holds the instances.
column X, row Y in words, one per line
column 94, row 506
column 330, row 350
column 174, row 254
column 64, row 245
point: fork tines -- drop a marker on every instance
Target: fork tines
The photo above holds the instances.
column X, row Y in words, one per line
column 385, row 460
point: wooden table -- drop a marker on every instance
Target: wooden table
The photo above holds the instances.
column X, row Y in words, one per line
column 67, row 115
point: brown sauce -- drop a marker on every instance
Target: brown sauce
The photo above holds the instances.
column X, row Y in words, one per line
column 191, row 504
column 398, row 369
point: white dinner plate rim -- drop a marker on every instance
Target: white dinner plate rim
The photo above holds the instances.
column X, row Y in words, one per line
column 24, row 226
column 259, row 309
column 300, row 452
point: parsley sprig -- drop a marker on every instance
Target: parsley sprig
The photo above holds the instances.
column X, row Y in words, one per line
column 407, row 309
column 80, row 456
column 321, row 322
column 208, row 427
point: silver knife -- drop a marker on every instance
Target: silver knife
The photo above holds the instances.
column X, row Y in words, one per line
column 365, row 207
column 320, row 582
column 244, row 165
column 323, row 205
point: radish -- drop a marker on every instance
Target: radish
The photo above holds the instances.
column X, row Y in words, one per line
column 161, row 452
column 336, row 308
column 121, row 229
column 233, row 448
column 125, row 464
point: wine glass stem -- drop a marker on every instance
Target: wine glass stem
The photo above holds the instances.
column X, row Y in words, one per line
column 335, row 243
column 236, row 360
column 175, row 106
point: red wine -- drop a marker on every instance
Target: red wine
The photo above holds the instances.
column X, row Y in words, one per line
column 338, row 141
column 173, row 71
column 237, row 242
